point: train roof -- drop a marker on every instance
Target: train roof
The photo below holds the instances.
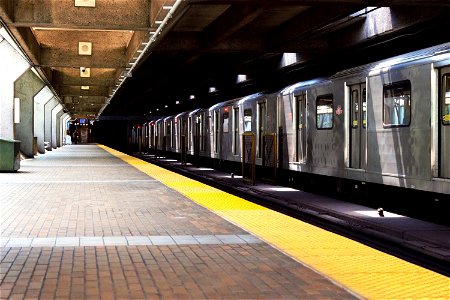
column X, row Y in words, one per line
column 303, row 84
column 238, row 100
column 427, row 55
column 189, row 113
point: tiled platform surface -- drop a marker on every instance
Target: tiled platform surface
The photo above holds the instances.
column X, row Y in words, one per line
column 430, row 240
column 78, row 223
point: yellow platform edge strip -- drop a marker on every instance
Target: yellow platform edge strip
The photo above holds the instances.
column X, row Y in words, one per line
column 365, row 271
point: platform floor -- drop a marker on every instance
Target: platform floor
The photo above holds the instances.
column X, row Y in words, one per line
column 88, row 222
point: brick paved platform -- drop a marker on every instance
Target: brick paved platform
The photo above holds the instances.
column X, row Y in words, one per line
column 79, row 223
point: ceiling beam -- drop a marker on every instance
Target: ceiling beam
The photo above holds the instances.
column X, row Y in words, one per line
column 71, row 90
column 307, row 25
column 60, row 80
column 99, row 59
column 107, row 14
column 334, row 2
column 194, row 42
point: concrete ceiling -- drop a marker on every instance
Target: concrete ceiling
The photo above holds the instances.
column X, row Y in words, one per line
column 126, row 58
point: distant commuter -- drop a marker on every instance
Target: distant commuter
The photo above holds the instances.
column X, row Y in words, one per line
column 75, row 137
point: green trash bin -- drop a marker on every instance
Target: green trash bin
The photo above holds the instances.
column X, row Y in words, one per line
column 9, row 155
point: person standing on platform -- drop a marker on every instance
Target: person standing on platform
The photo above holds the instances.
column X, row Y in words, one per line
column 75, row 137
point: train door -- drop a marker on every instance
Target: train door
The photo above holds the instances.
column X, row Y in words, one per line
column 160, row 135
column 151, row 130
column 168, row 135
column 201, row 131
column 189, row 133
column 216, row 130
column 178, row 133
column 444, row 125
column 300, row 130
column 182, row 138
column 236, row 131
column 145, row 136
column 261, row 127
column 358, row 125
column 197, row 123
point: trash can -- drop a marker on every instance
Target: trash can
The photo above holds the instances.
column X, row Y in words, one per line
column 9, row 155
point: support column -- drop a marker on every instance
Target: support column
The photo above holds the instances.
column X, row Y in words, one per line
column 54, row 126
column 44, row 96
column 25, row 88
column 57, row 111
column 12, row 65
column 48, row 108
column 64, row 118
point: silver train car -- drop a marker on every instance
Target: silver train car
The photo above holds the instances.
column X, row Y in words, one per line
column 366, row 132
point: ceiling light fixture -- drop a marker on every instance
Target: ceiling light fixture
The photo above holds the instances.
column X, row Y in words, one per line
column 84, row 48
column 84, row 3
column 85, row 72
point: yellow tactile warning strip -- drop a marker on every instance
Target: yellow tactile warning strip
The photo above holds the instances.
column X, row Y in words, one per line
column 365, row 271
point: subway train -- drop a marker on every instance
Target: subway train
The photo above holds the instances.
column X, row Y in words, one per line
column 378, row 134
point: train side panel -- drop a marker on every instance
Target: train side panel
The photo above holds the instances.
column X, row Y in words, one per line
column 325, row 138
column 399, row 150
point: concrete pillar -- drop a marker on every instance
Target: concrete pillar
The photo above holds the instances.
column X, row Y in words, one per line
column 57, row 138
column 57, row 111
column 48, row 108
column 12, row 65
column 25, row 88
column 44, row 96
column 64, row 118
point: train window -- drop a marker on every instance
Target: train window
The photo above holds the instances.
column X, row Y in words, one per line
column 247, row 120
column 397, row 104
column 208, row 124
column 355, row 108
column 364, row 107
column 324, row 112
column 446, row 104
column 225, row 119
column 299, row 111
